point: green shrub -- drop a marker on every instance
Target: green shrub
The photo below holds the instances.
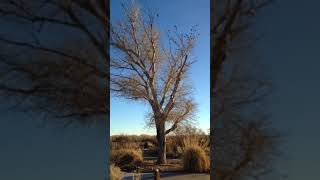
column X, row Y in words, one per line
column 126, row 159
column 115, row 173
column 195, row 159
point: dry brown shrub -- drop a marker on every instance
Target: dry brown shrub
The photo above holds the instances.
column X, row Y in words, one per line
column 195, row 160
column 126, row 159
column 115, row 173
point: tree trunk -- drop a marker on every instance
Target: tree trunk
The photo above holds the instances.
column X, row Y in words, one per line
column 161, row 138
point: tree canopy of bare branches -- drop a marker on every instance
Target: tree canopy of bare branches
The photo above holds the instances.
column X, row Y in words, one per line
column 54, row 56
column 244, row 141
column 144, row 69
column 242, row 138
column 230, row 19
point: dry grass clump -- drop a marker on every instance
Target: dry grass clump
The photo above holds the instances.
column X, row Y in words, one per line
column 195, row 159
column 123, row 138
column 125, row 145
column 127, row 159
column 172, row 148
column 132, row 142
column 196, row 140
column 115, row 173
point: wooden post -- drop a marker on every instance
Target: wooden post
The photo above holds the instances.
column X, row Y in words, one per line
column 157, row 174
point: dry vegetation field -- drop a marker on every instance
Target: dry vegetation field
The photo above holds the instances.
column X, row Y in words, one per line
column 186, row 153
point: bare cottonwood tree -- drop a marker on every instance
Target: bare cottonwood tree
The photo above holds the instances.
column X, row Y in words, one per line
column 143, row 70
column 244, row 140
column 54, row 56
column 236, row 155
column 229, row 18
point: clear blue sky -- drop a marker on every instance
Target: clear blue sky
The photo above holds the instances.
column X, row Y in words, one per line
column 129, row 117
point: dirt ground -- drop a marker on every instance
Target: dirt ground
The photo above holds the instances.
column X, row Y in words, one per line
column 172, row 170
column 170, row 176
column 172, row 165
